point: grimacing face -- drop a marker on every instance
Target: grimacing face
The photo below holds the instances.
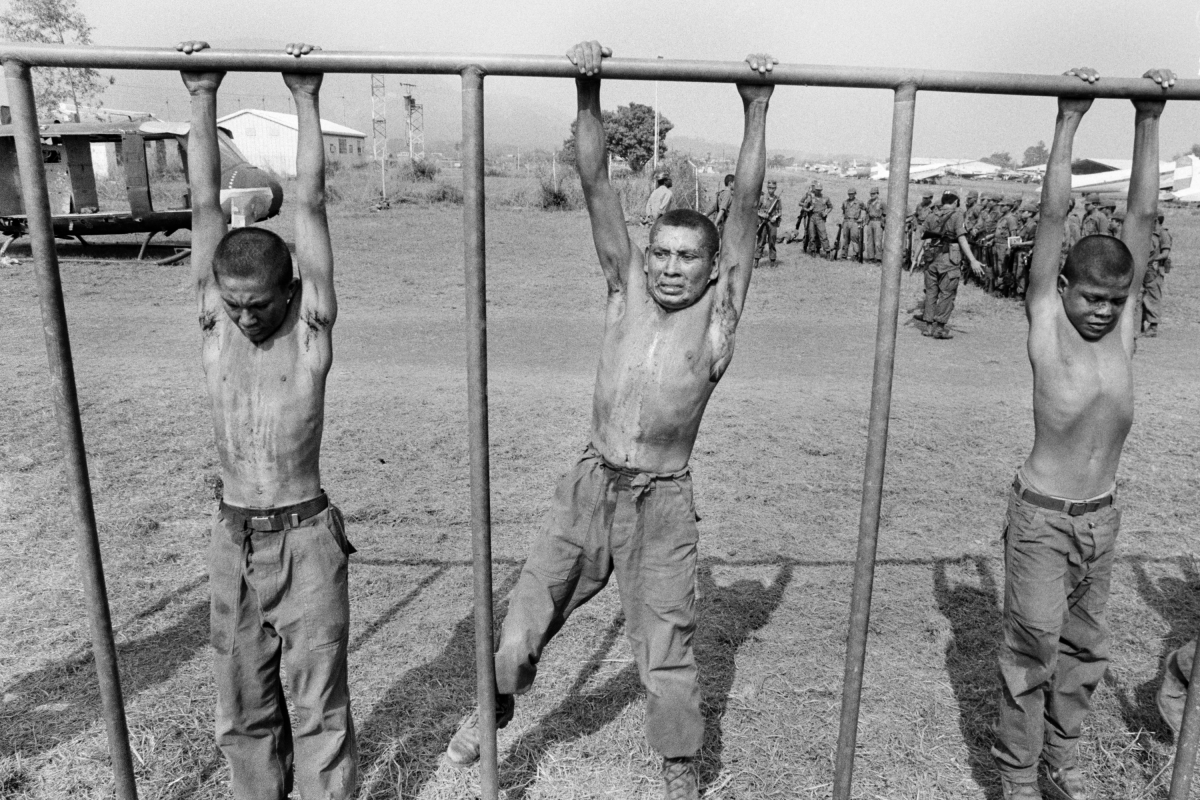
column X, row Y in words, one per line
column 257, row 308
column 678, row 267
column 1093, row 305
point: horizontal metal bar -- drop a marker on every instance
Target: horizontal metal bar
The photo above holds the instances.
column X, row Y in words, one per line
column 53, row 55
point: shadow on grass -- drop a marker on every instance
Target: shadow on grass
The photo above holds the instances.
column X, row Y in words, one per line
column 58, row 702
column 1175, row 601
column 974, row 615
column 401, row 743
column 726, row 617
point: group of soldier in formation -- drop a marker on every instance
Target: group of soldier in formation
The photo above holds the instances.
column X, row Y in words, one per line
column 279, row 548
column 992, row 233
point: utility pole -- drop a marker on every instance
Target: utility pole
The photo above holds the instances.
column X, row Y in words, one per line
column 379, row 129
column 656, row 124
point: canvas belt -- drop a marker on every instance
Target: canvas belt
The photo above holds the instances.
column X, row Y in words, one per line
column 1072, row 508
column 642, row 482
column 274, row 519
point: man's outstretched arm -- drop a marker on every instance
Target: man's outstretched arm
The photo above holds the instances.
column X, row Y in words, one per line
column 204, row 180
column 1141, row 208
column 1042, row 291
column 314, row 254
column 741, row 226
column 609, row 233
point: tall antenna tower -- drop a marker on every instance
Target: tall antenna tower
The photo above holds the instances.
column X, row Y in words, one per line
column 378, row 118
column 414, row 124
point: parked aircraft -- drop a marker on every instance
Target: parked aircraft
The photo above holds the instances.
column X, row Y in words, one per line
column 248, row 194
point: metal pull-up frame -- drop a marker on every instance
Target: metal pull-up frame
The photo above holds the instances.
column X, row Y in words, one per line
column 904, row 83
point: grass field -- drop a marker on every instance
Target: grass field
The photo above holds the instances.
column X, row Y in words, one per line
column 778, row 469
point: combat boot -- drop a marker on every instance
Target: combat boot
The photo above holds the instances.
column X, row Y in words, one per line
column 1067, row 783
column 679, row 779
column 1009, row 790
column 463, row 750
column 942, row 333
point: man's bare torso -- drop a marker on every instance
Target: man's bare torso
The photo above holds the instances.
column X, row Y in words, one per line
column 268, row 404
column 654, row 377
column 1082, row 409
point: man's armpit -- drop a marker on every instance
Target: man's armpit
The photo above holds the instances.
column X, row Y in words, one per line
column 208, row 322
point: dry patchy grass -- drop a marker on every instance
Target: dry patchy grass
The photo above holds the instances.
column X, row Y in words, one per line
column 778, row 473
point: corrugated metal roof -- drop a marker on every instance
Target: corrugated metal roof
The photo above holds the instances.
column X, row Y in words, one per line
column 289, row 121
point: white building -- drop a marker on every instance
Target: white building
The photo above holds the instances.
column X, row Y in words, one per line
column 268, row 140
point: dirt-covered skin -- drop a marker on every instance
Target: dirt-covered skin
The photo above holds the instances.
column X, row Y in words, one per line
column 672, row 311
column 266, row 348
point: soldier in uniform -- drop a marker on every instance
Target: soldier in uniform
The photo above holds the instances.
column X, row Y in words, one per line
column 1152, row 282
column 800, row 232
column 1117, row 224
column 1094, row 222
column 850, row 238
column 1029, row 226
column 720, row 209
column 1110, row 209
column 660, row 199
column 1006, row 227
column 916, row 226
column 876, row 211
column 817, row 236
column 770, row 212
column 1074, row 228
column 981, row 242
column 947, row 245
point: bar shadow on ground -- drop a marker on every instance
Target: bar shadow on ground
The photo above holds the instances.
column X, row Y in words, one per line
column 1175, row 600
column 974, row 616
column 727, row 616
column 49, row 706
column 400, row 744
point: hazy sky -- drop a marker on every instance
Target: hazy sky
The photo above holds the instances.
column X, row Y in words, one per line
column 1040, row 36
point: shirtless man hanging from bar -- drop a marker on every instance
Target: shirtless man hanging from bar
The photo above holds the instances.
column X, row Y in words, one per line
column 1062, row 517
column 278, row 553
column 627, row 505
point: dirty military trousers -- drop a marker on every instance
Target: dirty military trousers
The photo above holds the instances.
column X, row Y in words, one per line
column 941, row 285
column 873, row 240
column 281, row 598
column 1057, row 571
column 641, row 526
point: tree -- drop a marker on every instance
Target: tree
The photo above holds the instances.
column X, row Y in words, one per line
column 779, row 161
column 1035, row 155
column 54, row 22
column 1002, row 159
column 629, row 132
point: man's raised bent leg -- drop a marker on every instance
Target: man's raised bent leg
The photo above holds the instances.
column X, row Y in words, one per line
column 568, row 564
column 654, row 552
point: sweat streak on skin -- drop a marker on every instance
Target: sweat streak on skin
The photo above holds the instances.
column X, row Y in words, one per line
column 268, row 410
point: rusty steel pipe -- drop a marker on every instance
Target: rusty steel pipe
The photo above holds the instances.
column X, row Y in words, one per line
column 70, row 428
column 1189, row 737
column 475, row 262
column 903, row 112
column 644, row 69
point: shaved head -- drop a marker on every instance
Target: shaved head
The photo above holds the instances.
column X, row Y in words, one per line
column 1100, row 259
column 693, row 220
column 253, row 254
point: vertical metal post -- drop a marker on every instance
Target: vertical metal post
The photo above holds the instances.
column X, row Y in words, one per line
column 475, row 261
column 1189, row 737
column 66, row 406
column 881, row 403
